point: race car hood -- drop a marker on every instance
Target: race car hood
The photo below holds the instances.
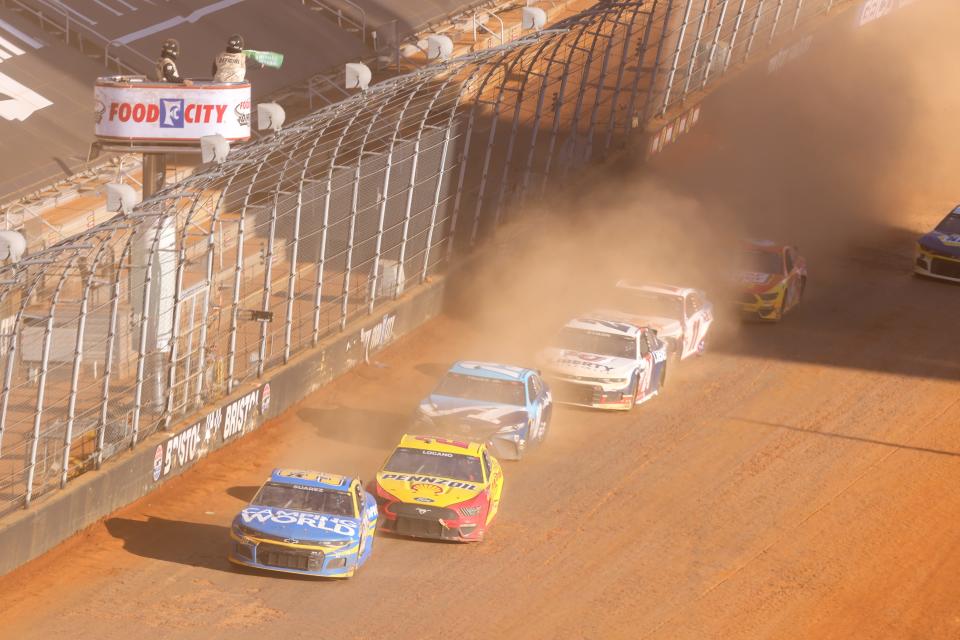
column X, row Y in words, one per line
column 434, row 490
column 665, row 327
column 574, row 363
column 298, row 525
column 460, row 416
column 756, row 282
column 944, row 243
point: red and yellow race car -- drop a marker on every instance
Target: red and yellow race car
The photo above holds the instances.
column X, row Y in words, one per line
column 437, row 488
column 772, row 279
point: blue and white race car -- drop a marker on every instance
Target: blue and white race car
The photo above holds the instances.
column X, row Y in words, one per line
column 507, row 407
column 938, row 252
column 605, row 362
column 306, row 522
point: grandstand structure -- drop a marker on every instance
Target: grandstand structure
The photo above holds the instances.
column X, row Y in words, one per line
column 215, row 281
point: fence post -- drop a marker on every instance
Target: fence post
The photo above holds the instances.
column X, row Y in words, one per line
column 753, row 30
column 436, row 202
column 108, row 358
column 776, row 21
column 142, row 337
column 77, row 362
column 715, row 43
column 268, row 284
column 655, row 70
column 696, row 50
column 42, row 383
column 349, row 260
column 676, row 58
column 733, row 37
column 621, row 72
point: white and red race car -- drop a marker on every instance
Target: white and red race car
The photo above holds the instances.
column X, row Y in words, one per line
column 681, row 315
column 604, row 362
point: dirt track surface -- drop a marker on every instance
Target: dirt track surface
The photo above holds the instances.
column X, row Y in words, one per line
column 799, row 481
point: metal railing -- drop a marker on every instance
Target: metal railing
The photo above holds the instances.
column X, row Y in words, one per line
column 60, row 17
column 127, row 328
column 356, row 18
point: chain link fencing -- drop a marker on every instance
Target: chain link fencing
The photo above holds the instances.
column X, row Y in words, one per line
column 127, row 328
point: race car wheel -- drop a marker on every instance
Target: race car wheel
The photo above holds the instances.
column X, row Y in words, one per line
column 663, row 379
column 635, row 389
column 544, row 426
column 674, row 348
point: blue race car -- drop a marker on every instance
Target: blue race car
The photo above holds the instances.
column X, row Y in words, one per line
column 507, row 407
column 306, row 522
column 938, row 252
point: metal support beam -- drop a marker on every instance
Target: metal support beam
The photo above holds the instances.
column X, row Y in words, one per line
column 676, row 58
column 733, row 37
column 696, row 50
column 753, row 30
column 350, row 241
column 715, row 43
column 776, row 21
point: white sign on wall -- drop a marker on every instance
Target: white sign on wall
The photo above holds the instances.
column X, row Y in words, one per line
column 157, row 112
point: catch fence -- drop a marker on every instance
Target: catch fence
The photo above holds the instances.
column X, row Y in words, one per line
column 129, row 327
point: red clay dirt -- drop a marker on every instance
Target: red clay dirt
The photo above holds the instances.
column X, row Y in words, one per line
column 798, row 481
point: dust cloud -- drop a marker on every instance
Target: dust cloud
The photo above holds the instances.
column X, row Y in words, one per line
column 826, row 153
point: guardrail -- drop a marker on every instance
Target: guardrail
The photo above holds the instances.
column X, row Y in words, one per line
column 337, row 12
column 230, row 273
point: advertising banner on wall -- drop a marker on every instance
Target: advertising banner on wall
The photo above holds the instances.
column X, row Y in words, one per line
column 224, row 423
column 872, row 10
column 131, row 109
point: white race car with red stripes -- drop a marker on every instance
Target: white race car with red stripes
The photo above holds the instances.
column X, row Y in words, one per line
column 682, row 316
column 604, row 362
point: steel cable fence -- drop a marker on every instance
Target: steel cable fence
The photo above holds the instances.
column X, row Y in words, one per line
column 134, row 324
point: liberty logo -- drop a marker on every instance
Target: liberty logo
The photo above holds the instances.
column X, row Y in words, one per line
column 171, row 113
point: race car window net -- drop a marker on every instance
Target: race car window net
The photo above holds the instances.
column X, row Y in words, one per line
column 457, row 385
column 419, row 462
column 650, row 304
column 604, row 344
column 761, row 262
column 950, row 224
column 313, row 499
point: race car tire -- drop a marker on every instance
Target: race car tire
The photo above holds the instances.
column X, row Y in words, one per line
column 674, row 348
column 663, row 379
column 544, row 428
column 635, row 389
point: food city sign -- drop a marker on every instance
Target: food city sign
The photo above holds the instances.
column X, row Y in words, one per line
column 131, row 109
